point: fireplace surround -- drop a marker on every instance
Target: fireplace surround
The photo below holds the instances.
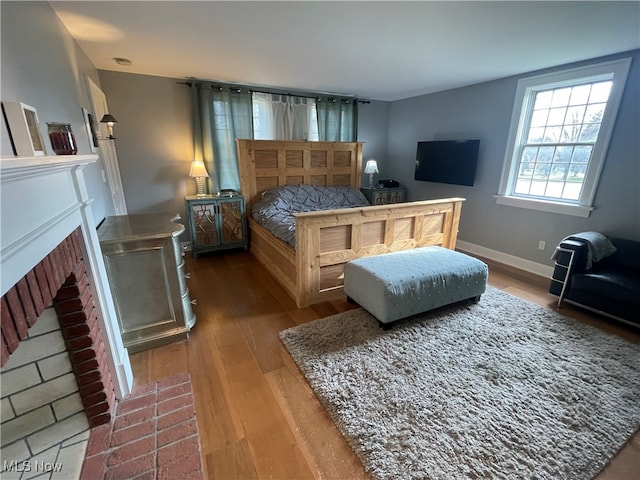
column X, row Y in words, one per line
column 50, row 254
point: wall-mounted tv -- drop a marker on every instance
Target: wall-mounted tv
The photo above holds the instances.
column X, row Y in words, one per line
column 447, row 161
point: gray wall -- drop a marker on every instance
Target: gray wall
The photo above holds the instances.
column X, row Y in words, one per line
column 154, row 140
column 373, row 127
column 42, row 66
column 484, row 111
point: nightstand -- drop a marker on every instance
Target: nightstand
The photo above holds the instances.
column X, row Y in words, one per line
column 216, row 222
column 384, row 196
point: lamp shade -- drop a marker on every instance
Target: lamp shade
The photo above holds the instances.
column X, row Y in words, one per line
column 371, row 166
column 108, row 118
column 198, row 170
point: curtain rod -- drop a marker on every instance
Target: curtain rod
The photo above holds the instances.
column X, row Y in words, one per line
column 252, row 90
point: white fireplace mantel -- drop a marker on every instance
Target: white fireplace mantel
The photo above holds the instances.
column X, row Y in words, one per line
column 43, row 199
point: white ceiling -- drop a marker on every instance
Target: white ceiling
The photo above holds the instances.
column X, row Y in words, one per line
column 382, row 50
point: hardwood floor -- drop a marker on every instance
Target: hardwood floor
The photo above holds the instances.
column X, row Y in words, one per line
column 257, row 416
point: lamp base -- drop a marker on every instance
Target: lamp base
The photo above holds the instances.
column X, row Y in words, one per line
column 371, row 181
column 201, row 187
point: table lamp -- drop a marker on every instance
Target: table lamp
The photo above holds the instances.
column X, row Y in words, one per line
column 371, row 167
column 199, row 172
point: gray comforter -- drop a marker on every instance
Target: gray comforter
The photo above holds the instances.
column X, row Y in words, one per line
column 274, row 210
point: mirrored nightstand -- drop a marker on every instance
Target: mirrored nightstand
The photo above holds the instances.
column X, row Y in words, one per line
column 217, row 222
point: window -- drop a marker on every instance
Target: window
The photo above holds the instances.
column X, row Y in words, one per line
column 560, row 129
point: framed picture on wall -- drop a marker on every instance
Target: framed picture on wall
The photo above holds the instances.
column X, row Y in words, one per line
column 24, row 129
column 90, row 125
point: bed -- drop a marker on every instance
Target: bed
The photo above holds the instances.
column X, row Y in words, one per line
column 326, row 240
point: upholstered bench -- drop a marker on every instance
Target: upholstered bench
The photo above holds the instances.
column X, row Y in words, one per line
column 397, row 285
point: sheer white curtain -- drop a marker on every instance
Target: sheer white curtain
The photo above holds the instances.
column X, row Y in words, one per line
column 284, row 117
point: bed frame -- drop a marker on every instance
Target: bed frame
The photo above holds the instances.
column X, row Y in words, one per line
column 328, row 239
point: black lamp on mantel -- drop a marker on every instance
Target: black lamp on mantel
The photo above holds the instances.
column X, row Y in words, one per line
column 110, row 120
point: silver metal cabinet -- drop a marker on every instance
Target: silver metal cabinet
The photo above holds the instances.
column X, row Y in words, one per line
column 145, row 267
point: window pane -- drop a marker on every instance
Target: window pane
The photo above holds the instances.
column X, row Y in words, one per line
column 556, row 116
column 537, row 188
column 577, row 171
column 575, row 115
column 580, row 95
column 526, row 171
column 581, row 154
column 572, row 191
column 539, row 118
column 570, row 134
column 529, row 154
column 535, row 135
column 522, row 186
column 552, row 134
column 554, row 189
column 562, row 155
column 594, row 113
column 527, row 162
column 541, row 170
column 600, row 92
column 543, row 100
column 559, row 172
column 589, row 132
column 561, row 97
column 545, row 154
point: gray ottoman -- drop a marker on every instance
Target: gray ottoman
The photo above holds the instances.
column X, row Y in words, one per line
column 397, row 285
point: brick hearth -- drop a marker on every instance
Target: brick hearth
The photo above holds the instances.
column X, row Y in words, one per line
column 154, row 435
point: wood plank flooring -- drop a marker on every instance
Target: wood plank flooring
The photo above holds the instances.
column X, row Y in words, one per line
column 257, row 416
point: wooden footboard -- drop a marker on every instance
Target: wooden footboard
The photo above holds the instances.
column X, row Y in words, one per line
column 327, row 240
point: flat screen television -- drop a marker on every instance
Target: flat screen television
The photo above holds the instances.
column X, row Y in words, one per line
column 447, row 161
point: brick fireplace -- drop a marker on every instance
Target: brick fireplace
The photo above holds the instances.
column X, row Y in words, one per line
column 61, row 279
column 50, row 256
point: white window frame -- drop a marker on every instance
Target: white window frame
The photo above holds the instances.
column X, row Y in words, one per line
column 616, row 71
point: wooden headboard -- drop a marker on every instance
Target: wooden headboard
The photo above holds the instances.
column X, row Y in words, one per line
column 265, row 164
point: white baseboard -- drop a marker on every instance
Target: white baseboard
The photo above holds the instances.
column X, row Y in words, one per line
column 511, row 260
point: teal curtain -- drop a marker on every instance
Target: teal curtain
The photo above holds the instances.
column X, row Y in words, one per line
column 221, row 116
column 337, row 120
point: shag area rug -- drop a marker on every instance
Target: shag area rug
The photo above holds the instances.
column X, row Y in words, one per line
column 502, row 389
